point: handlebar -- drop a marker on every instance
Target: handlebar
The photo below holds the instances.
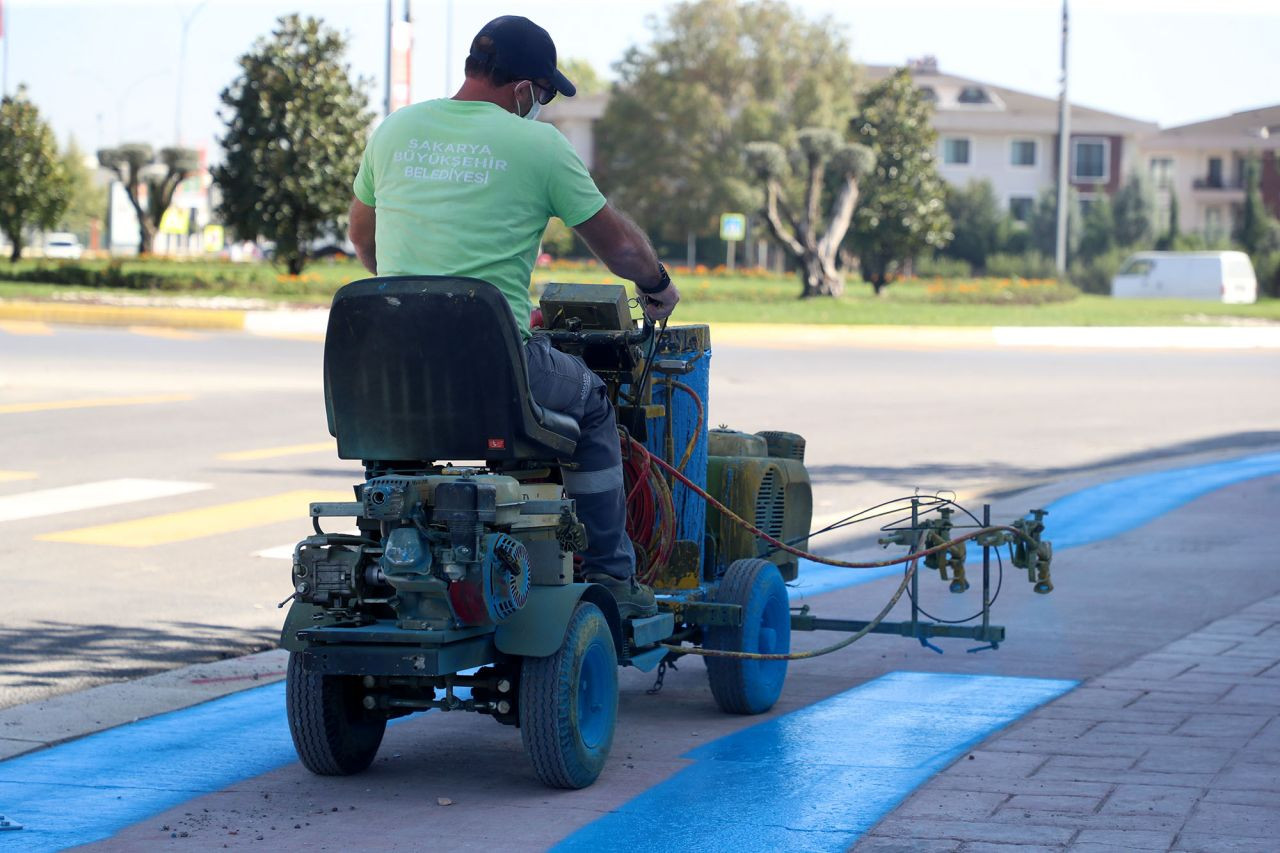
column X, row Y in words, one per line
column 598, row 337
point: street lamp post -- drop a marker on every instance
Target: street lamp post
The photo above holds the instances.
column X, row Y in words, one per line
column 1064, row 155
column 182, row 66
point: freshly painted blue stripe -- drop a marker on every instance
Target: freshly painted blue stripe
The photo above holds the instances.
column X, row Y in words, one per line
column 1081, row 518
column 87, row 789
column 91, row 788
column 1109, row 509
column 819, row 777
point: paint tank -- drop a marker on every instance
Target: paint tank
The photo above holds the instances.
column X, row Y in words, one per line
column 684, row 348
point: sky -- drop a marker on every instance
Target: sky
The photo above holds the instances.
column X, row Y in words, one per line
column 108, row 71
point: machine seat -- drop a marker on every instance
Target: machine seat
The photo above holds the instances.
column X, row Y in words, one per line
column 432, row 368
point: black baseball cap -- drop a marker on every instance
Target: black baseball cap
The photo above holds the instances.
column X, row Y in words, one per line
column 523, row 50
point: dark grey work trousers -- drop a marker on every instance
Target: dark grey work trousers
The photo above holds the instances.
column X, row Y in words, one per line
column 564, row 383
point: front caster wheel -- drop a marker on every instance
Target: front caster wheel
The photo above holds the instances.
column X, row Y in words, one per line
column 332, row 732
column 744, row 686
column 569, row 703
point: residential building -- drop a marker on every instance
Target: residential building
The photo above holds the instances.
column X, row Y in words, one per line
column 575, row 118
column 1010, row 138
column 1204, row 163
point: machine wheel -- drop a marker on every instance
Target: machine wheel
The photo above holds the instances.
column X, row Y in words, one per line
column 332, row 732
column 569, row 703
column 743, row 686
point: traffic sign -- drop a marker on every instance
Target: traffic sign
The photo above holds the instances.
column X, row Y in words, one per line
column 733, row 226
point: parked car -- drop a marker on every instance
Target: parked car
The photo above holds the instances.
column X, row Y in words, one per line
column 1219, row 276
column 62, row 245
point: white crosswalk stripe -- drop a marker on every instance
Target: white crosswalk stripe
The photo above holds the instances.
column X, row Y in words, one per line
column 285, row 552
column 90, row 496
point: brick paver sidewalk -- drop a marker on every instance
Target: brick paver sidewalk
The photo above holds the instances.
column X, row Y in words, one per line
column 1178, row 750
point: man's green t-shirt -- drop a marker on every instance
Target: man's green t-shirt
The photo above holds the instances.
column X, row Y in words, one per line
column 466, row 188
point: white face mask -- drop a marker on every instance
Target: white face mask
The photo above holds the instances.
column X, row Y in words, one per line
column 534, row 109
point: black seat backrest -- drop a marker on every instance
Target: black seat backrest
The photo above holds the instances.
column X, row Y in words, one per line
column 428, row 368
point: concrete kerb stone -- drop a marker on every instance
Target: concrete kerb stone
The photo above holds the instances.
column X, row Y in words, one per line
column 292, row 321
column 36, row 725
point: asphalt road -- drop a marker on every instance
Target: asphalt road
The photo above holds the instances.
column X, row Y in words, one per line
column 227, row 432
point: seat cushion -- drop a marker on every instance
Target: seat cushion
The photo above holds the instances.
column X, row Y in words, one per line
column 558, row 422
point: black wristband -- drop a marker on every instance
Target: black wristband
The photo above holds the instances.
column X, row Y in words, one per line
column 664, row 281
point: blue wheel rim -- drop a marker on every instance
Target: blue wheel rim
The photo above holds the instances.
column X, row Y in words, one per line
column 772, row 635
column 594, row 699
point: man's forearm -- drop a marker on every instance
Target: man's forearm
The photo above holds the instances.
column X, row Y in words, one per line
column 622, row 247
column 361, row 231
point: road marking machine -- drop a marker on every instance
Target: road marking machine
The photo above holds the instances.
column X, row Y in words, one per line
column 458, row 591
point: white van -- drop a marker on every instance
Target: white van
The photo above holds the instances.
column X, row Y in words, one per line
column 1220, row 276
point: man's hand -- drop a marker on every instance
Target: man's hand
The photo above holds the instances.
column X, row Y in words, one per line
column 658, row 306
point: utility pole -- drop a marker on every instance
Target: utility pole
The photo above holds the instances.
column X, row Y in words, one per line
column 1064, row 152
column 182, row 67
column 4, row 36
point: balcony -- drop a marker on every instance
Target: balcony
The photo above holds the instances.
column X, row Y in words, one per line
column 1217, row 187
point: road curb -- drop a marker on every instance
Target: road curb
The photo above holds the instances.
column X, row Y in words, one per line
column 47, row 722
column 310, row 322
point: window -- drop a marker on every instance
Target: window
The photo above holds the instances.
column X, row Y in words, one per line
column 927, row 93
column 1215, row 173
column 1086, row 202
column 955, row 151
column 1022, row 152
column 1090, row 160
column 1020, row 207
column 1162, row 172
column 974, row 95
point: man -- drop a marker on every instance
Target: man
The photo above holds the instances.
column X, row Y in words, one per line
column 465, row 186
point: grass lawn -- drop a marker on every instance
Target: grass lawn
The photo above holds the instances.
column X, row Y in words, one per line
column 740, row 299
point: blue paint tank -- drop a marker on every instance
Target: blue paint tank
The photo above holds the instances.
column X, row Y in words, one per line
column 690, row 345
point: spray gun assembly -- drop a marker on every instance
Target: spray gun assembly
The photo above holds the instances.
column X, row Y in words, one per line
column 460, row 590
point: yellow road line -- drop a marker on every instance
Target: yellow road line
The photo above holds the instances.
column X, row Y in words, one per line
column 272, row 452
column 122, row 315
column 92, row 402
column 11, row 476
column 198, row 523
column 25, row 327
column 166, row 332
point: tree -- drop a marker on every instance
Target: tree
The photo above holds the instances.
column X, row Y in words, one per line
column 1043, row 226
column 1134, row 208
column 820, row 156
column 978, row 226
column 716, row 75
column 33, row 184
column 135, row 164
column 1170, row 237
column 902, row 210
column 584, row 76
column 1099, row 235
column 1254, row 223
column 296, row 127
column 86, row 199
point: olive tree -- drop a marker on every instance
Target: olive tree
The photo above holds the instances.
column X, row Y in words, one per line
column 794, row 183
column 136, row 165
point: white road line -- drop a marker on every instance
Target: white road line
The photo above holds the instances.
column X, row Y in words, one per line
column 285, row 552
column 90, row 496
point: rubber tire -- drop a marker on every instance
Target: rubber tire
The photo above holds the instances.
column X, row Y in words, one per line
column 567, row 721
column 750, row 686
column 332, row 732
